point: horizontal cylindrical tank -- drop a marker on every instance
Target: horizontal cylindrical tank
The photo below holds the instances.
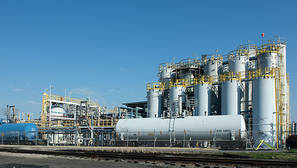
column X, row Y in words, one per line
column 264, row 110
column 19, row 131
column 218, row 127
column 175, row 99
column 201, row 94
column 230, row 97
column 154, row 99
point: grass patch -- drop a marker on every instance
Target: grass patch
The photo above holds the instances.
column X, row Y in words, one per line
column 275, row 155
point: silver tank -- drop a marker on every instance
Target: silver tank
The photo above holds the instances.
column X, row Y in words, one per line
column 230, row 97
column 267, row 60
column 264, row 110
column 154, row 99
column 212, row 67
column 220, row 127
column 165, row 71
column 201, row 94
column 238, row 64
column 176, row 96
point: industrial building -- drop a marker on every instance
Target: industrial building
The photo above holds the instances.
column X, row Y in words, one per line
column 248, row 87
column 239, row 98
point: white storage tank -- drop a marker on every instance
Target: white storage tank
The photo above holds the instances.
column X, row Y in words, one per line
column 201, row 94
column 154, row 100
column 220, row 127
column 267, row 60
column 176, row 97
column 212, row 66
column 238, row 64
column 165, row 71
column 230, row 97
column 264, row 109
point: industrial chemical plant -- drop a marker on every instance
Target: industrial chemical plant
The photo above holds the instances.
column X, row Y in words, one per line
column 237, row 100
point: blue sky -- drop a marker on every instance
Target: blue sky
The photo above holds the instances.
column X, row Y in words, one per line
column 109, row 50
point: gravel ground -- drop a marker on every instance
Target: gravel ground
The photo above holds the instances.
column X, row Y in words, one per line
column 24, row 160
column 17, row 160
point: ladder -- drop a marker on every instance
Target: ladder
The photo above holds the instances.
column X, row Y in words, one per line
column 171, row 130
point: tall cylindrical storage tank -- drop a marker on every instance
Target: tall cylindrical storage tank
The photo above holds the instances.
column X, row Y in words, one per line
column 238, row 64
column 212, row 68
column 264, row 109
column 267, row 60
column 175, row 99
column 201, row 94
column 154, row 99
column 230, row 99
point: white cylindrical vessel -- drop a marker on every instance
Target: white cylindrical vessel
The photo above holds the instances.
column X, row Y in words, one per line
column 267, row 60
column 264, row 110
column 175, row 99
column 238, row 64
column 212, row 68
column 230, row 97
column 220, row 127
column 165, row 71
column 154, row 99
column 201, row 94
